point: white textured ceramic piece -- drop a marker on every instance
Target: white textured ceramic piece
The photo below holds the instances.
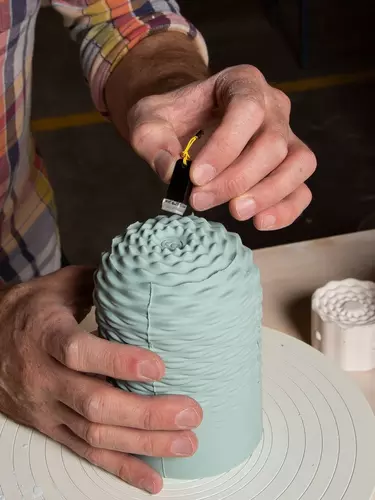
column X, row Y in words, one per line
column 318, row 444
column 188, row 290
column 343, row 323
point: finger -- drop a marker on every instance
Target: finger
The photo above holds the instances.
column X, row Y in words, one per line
column 297, row 167
column 285, row 212
column 128, row 440
column 260, row 157
column 100, row 403
column 84, row 352
column 128, row 468
column 155, row 140
column 240, row 93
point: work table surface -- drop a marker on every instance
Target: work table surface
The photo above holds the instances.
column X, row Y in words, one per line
column 291, row 273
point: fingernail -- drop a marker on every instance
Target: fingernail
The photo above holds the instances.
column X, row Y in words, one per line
column 187, row 419
column 202, row 174
column 245, row 207
column 182, row 447
column 267, row 222
column 203, row 201
column 163, row 164
column 149, row 370
column 148, row 485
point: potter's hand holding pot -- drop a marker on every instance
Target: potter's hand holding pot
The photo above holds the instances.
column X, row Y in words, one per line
column 252, row 159
column 47, row 365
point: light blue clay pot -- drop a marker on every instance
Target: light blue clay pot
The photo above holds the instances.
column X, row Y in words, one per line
column 188, row 290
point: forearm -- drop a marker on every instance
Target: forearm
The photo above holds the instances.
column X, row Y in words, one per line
column 158, row 64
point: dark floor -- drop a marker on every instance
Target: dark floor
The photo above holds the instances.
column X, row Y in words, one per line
column 99, row 182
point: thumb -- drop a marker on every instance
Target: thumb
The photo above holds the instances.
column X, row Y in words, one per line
column 73, row 286
column 155, row 140
column 70, row 280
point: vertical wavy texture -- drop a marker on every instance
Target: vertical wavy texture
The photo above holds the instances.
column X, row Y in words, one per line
column 188, row 290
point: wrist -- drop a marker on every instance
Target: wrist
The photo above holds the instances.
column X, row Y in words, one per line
column 159, row 64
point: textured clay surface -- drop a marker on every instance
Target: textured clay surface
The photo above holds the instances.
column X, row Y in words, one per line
column 188, row 290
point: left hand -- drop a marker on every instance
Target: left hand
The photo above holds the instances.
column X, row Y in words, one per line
column 252, row 159
column 48, row 380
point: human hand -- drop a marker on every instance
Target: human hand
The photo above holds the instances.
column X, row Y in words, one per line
column 45, row 382
column 252, row 160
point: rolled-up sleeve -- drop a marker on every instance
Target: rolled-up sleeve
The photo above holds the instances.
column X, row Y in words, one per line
column 107, row 29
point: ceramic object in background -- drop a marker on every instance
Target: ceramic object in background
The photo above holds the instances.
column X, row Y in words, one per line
column 188, row 290
column 343, row 323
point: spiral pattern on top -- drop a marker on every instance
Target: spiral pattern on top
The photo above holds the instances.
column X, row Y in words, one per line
column 189, row 290
column 348, row 302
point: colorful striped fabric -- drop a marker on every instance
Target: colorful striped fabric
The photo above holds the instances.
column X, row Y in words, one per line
column 106, row 30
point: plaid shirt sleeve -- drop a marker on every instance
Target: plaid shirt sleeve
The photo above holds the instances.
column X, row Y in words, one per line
column 108, row 29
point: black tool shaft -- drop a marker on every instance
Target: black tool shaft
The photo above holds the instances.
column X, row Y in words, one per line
column 179, row 190
column 180, row 186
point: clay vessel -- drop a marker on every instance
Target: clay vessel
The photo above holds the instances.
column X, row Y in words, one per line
column 188, row 290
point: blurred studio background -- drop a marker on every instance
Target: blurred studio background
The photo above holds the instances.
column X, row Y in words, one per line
column 321, row 52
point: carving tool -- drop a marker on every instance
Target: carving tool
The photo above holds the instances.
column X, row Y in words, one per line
column 180, row 187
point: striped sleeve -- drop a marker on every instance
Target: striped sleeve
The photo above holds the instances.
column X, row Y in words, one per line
column 108, row 29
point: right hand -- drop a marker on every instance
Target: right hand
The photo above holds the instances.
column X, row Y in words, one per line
column 47, row 368
column 249, row 158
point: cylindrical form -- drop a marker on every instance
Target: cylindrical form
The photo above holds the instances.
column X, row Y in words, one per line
column 343, row 323
column 188, row 290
